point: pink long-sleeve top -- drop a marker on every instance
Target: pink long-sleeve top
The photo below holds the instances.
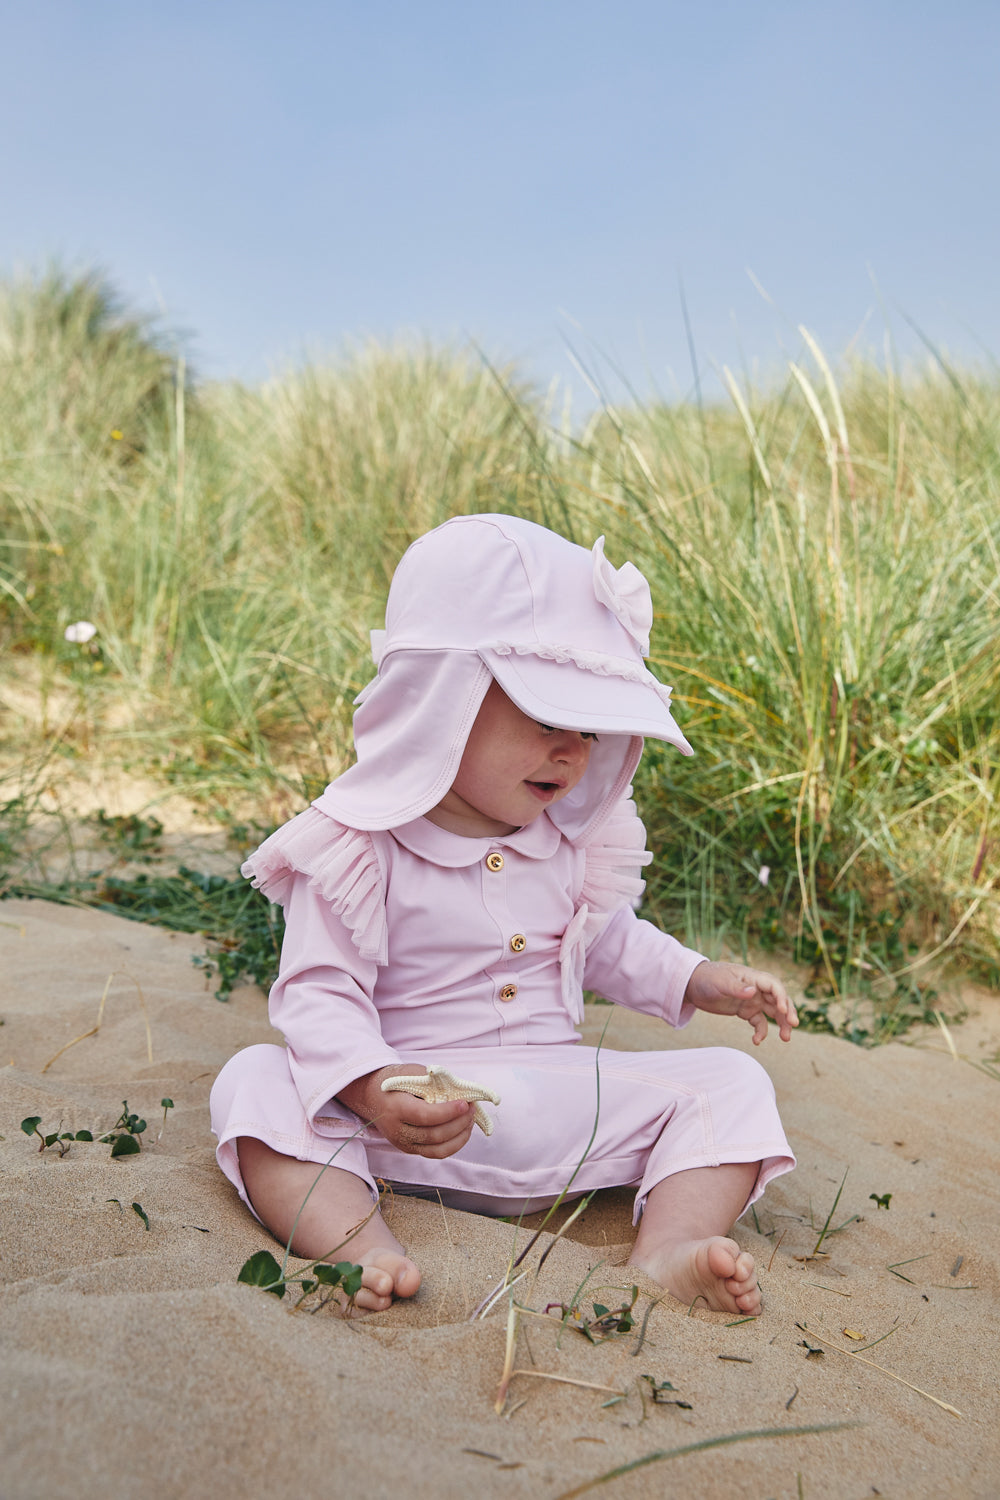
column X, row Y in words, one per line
column 415, row 941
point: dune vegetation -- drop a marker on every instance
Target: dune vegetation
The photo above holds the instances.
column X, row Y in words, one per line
column 824, row 556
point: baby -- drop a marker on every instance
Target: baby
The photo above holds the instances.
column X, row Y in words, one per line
column 448, row 899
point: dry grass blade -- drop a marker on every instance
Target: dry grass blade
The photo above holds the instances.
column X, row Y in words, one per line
column 947, row 1035
column 510, row 1346
column 587, row 1385
column 100, row 1017
column 942, row 947
column 883, row 1371
column 749, row 425
column 493, row 1296
column 717, row 1442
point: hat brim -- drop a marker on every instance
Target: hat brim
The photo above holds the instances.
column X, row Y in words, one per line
column 569, row 696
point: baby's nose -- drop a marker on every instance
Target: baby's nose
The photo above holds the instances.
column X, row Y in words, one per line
column 571, row 746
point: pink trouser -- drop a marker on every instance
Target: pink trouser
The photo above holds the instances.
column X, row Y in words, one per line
column 600, row 1118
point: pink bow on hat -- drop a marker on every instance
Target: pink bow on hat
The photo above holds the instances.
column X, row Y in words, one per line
column 626, row 593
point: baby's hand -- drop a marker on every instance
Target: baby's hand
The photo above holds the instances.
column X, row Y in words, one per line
column 736, row 990
column 408, row 1123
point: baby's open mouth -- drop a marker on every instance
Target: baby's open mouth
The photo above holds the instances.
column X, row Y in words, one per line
column 546, row 786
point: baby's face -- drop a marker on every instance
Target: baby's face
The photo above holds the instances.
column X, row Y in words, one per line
column 512, row 770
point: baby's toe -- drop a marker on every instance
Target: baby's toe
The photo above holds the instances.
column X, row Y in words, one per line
column 723, row 1258
column 375, row 1292
column 388, row 1274
column 750, row 1302
column 377, row 1281
column 745, row 1267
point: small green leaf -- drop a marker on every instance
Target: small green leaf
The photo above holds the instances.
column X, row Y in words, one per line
column 31, row 1124
column 166, row 1104
column 84, row 1135
column 600, row 1311
column 263, row 1270
column 50, row 1140
column 351, row 1283
column 328, row 1275
column 143, row 1215
column 659, row 1388
column 308, row 1285
column 126, row 1145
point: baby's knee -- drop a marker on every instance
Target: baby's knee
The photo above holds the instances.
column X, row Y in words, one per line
column 743, row 1075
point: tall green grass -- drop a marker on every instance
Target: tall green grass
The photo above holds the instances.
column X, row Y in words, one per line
column 829, row 560
column 824, row 556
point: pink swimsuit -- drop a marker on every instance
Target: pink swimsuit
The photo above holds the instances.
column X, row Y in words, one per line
column 416, row 945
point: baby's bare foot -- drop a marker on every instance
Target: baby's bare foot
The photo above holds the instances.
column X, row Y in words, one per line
column 388, row 1274
column 714, row 1272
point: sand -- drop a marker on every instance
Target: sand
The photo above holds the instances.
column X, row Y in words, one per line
column 133, row 1363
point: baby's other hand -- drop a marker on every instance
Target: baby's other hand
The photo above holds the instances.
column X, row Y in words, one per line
column 737, row 990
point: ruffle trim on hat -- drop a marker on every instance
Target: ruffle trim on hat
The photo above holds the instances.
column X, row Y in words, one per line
column 342, row 865
column 611, row 881
column 601, row 664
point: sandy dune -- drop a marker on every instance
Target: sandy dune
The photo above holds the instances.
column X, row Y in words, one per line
column 134, row 1364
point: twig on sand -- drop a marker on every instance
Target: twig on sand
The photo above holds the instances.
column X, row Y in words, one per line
column 716, row 1442
column 883, row 1371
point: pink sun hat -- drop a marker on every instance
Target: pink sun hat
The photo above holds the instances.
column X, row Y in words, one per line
column 561, row 630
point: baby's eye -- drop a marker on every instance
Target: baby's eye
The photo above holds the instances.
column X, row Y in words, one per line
column 584, row 734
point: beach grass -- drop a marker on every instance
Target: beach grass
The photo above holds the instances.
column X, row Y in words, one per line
column 824, row 555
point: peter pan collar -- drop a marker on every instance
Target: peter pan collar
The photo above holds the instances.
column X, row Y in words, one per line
column 538, row 839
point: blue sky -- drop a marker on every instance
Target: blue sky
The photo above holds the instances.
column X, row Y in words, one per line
column 281, row 177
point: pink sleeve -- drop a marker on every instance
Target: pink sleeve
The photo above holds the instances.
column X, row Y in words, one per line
column 636, row 965
column 322, row 999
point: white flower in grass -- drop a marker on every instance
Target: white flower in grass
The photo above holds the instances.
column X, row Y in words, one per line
column 764, row 874
column 80, row 632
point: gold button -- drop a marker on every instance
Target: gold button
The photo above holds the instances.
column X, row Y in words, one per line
column 518, row 942
column 508, row 992
column 494, row 861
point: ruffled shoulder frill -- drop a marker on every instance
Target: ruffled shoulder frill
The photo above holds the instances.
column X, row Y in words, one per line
column 612, row 880
column 614, row 860
column 342, row 865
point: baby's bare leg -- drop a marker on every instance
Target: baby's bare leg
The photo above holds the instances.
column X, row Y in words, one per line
column 683, row 1238
column 277, row 1186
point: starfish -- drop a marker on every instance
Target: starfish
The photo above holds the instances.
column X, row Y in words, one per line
column 438, row 1085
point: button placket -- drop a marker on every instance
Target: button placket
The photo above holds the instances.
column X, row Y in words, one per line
column 497, row 870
